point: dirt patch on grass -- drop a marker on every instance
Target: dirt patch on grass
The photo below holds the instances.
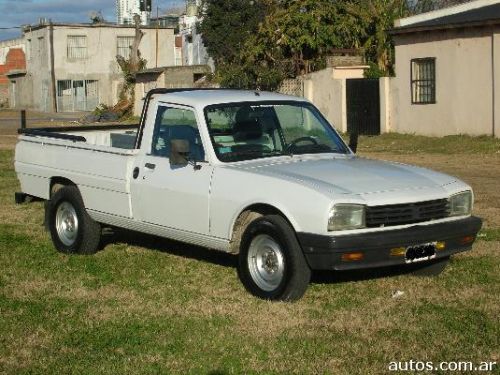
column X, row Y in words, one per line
column 22, row 349
column 69, row 290
column 8, row 142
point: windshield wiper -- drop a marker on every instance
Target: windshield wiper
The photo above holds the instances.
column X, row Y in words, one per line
column 279, row 153
column 255, row 154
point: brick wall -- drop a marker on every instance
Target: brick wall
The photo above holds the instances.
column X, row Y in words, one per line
column 15, row 60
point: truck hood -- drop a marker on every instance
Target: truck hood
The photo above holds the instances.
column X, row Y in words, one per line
column 349, row 175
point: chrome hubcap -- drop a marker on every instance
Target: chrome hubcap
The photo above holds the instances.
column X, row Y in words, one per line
column 66, row 223
column 266, row 262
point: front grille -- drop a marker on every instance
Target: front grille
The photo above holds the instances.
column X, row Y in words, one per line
column 408, row 213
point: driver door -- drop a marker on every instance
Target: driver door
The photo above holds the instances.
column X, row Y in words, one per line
column 170, row 196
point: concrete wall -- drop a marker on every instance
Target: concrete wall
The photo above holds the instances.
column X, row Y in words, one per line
column 145, row 83
column 20, row 92
column 465, row 96
column 327, row 90
column 386, row 116
column 100, row 63
column 34, row 88
column 169, row 77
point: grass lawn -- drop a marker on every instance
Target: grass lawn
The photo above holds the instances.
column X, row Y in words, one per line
column 147, row 305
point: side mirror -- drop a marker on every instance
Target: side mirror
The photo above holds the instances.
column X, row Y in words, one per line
column 179, row 152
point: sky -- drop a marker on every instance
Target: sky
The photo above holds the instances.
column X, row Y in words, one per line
column 24, row 12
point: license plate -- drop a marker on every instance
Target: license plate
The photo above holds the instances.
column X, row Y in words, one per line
column 420, row 253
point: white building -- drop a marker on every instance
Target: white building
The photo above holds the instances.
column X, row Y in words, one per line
column 448, row 71
column 126, row 9
column 193, row 50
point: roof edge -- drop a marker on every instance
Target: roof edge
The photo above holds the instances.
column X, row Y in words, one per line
column 415, row 29
column 29, row 28
column 408, row 21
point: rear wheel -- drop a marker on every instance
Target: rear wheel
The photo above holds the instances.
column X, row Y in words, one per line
column 271, row 263
column 71, row 228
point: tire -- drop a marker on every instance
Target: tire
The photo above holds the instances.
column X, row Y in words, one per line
column 271, row 263
column 72, row 229
column 434, row 268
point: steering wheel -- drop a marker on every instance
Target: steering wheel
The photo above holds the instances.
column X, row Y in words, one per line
column 302, row 139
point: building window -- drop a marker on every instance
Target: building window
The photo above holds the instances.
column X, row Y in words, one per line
column 423, row 81
column 77, row 47
column 124, row 45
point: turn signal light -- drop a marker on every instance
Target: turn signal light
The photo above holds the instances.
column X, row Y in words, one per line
column 398, row 252
column 466, row 240
column 440, row 246
column 352, row 257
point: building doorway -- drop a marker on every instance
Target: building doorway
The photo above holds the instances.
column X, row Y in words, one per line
column 13, row 94
column 77, row 95
column 363, row 106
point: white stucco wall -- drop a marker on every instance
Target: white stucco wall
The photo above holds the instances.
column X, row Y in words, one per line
column 327, row 90
column 464, row 83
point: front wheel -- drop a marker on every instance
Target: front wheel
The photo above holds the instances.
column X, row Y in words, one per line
column 271, row 263
column 71, row 228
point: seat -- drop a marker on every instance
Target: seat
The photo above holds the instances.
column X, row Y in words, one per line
column 247, row 130
column 184, row 132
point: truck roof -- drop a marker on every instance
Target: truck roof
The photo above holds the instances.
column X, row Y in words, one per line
column 205, row 97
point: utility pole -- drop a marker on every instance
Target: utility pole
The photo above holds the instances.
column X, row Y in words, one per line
column 157, row 27
column 52, row 67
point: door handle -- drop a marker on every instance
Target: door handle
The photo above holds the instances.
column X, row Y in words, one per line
column 150, row 166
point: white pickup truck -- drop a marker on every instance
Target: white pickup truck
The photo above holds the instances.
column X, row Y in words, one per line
column 257, row 174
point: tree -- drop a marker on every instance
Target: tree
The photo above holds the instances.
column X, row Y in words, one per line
column 96, row 17
column 376, row 17
column 130, row 67
column 258, row 43
column 227, row 24
column 302, row 32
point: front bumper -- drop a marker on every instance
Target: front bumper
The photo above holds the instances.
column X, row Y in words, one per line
column 325, row 252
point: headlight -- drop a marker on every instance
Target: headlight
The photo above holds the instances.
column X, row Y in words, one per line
column 346, row 216
column 461, row 204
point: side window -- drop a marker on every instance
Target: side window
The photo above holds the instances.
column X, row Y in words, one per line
column 176, row 123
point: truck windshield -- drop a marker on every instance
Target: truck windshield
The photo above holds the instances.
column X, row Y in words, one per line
column 245, row 131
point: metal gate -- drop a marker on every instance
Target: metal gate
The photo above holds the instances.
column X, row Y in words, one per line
column 363, row 106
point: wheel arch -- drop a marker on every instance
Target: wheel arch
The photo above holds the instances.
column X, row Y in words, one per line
column 249, row 213
column 58, row 182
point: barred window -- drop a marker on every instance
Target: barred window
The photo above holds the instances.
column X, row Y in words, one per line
column 124, row 44
column 77, row 47
column 423, row 81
